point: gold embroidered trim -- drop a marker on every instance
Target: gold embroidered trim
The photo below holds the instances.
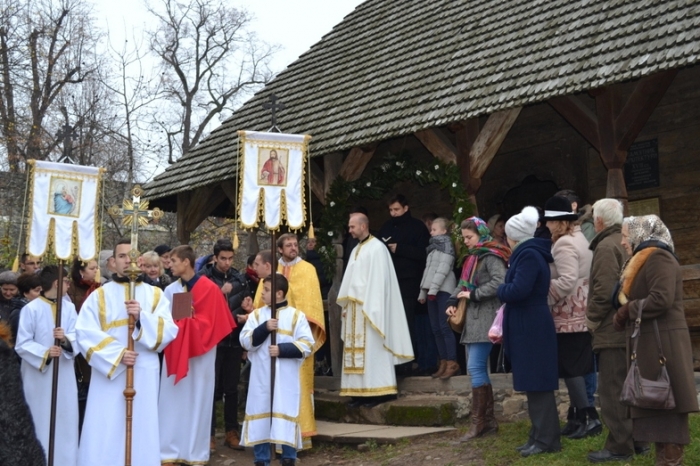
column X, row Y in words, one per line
column 100, row 346
column 44, row 361
column 390, row 390
column 256, row 417
column 102, row 312
column 114, row 366
column 159, row 337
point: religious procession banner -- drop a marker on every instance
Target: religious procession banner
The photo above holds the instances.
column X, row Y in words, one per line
column 272, row 167
column 64, row 200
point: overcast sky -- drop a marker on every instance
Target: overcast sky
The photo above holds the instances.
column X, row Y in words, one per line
column 295, row 25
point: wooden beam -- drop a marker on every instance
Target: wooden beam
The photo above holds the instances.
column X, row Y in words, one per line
column 183, row 202
column 437, row 144
column 332, row 165
column 229, row 188
column 605, row 110
column 355, row 163
column 578, row 115
column 466, row 135
column 490, row 139
column 202, row 203
column 317, row 182
column 641, row 104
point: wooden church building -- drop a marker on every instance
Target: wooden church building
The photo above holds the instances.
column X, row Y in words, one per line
column 526, row 97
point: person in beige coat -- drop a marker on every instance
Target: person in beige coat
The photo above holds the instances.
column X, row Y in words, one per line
column 568, row 296
column 652, row 283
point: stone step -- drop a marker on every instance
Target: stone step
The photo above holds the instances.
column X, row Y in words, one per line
column 361, row 433
column 414, row 410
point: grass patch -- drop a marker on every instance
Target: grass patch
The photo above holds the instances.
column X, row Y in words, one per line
column 499, row 450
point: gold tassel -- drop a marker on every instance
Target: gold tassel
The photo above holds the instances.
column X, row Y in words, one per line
column 98, row 276
column 236, row 244
column 311, row 230
column 15, row 265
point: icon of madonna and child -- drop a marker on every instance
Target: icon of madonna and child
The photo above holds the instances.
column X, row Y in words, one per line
column 65, row 197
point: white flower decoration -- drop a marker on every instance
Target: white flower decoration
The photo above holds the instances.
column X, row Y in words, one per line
column 454, row 185
column 332, row 204
column 353, row 190
column 369, row 183
column 398, row 164
column 330, row 233
column 418, row 172
column 459, row 210
column 437, row 167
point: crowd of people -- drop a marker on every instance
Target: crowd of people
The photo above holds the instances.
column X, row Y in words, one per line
column 567, row 280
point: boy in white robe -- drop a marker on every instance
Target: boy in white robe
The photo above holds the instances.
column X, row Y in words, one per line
column 102, row 330
column 294, row 343
column 36, row 346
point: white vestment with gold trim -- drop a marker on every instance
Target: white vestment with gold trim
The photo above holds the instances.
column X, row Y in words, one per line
column 284, row 428
column 374, row 327
column 102, row 333
column 34, row 338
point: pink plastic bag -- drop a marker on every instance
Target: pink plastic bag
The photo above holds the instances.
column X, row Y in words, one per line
column 496, row 330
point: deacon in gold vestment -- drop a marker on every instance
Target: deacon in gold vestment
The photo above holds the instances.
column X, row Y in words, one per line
column 305, row 295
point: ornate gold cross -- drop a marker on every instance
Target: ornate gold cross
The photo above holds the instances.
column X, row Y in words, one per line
column 135, row 213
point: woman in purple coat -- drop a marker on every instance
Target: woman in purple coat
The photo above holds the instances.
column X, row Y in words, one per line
column 529, row 337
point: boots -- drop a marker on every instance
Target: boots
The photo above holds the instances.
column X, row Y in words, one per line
column 288, row 462
column 669, row 454
column 441, row 369
column 491, row 423
column 572, row 422
column 233, row 440
column 451, row 368
column 480, row 426
column 589, row 424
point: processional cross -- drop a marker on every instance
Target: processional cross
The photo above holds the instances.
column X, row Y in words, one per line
column 135, row 213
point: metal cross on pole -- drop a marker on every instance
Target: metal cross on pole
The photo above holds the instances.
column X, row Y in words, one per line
column 134, row 213
column 273, row 106
column 66, row 135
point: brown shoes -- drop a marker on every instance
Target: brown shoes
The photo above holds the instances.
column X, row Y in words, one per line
column 441, row 369
column 233, row 440
column 451, row 368
column 482, row 416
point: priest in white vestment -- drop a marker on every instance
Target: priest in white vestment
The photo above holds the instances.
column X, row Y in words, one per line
column 35, row 345
column 102, row 333
column 295, row 342
column 374, row 327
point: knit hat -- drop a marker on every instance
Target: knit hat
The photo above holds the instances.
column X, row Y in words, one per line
column 162, row 249
column 523, row 225
column 559, row 208
column 8, row 278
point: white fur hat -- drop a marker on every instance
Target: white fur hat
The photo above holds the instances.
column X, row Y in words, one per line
column 523, row 225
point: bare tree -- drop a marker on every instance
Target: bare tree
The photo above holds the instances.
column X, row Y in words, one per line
column 209, row 61
column 45, row 47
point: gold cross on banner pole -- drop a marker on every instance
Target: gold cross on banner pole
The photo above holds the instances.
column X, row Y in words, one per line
column 135, row 213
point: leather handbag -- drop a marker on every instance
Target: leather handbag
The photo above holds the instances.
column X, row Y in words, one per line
column 639, row 392
column 458, row 319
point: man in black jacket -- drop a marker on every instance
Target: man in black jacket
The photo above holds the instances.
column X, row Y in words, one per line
column 229, row 352
column 407, row 239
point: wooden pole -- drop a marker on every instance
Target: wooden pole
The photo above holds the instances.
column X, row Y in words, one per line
column 54, row 387
column 273, row 334
column 132, row 272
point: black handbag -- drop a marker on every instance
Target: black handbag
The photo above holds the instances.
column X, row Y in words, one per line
column 639, row 392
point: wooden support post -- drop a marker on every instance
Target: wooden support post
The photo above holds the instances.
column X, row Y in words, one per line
column 332, row 164
column 490, row 139
column 613, row 127
column 183, row 203
column 437, row 144
column 355, row 163
column 317, row 182
column 194, row 207
column 466, row 134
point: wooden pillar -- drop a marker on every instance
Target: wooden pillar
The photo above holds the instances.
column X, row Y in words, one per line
column 195, row 206
column 183, row 202
column 615, row 125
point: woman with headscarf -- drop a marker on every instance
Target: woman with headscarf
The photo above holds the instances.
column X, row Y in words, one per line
column 568, row 299
column 652, row 283
column 496, row 225
column 483, row 271
column 529, row 338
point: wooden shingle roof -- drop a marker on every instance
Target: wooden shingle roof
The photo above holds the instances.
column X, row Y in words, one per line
column 393, row 67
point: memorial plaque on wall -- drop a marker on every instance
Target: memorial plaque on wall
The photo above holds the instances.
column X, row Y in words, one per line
column 642, row 165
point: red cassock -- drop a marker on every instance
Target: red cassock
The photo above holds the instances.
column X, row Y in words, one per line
column 210, row 323
column 268, row 167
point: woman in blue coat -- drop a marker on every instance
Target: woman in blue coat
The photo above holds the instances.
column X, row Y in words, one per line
column 529, row 337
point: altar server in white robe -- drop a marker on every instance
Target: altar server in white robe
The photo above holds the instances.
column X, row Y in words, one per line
column 35, row 345
column 188, row 376
column 102, row 335
column 374, row 327
column 295, row 342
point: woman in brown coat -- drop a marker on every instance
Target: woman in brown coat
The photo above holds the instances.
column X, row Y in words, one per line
column 652, row 278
